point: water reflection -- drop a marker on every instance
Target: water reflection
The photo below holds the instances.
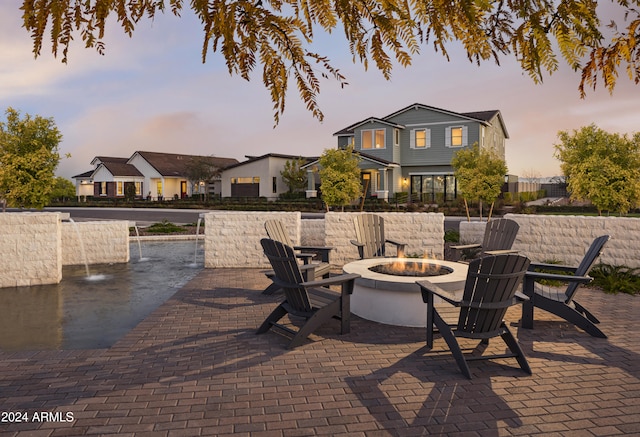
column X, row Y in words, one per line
column 79, row 313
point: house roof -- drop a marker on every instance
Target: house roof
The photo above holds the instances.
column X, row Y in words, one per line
column 349, row 129
column 482, row 116
column 121, row 169
column 85, row 175
column 103, row 159
column 251, row 159
column 364, row 156
column 171, row 164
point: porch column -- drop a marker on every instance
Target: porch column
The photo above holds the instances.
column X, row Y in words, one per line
column 311, row 184
column 383, row 188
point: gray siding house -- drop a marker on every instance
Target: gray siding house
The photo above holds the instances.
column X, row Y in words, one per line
column 410, row 150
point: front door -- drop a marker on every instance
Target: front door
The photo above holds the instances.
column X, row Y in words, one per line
column 183, row 189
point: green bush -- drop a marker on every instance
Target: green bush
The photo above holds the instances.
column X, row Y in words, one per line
column 615, row 279
column 451, row 236
column 165, row 227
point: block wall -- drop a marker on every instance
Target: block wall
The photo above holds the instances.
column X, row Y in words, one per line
column 422, row 232
column 102, row 241
column 566, row 238
column 312, row 232
column 30, row 247
column 232, row 238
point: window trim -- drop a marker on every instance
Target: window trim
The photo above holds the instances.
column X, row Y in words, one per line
column 427, row 138
column 449, row 136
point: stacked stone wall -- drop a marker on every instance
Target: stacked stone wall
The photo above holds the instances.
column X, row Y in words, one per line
column 30, row 247
column 103, row 242
column 312, row 232
column 422, row 232
column 566, row 238
column 232, row 238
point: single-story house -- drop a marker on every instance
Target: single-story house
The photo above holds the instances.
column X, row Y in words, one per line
column 153, row 175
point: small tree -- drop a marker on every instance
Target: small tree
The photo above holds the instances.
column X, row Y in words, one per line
column 28, row 158
column 200, row 169
column 63, row 189
column 294, row 175
column 480, row 176
column 601, row 167
column 339, row 177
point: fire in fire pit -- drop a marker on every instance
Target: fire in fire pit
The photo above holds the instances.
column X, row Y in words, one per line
column 411, row 268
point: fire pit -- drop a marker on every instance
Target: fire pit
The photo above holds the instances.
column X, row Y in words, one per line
column 392, row 296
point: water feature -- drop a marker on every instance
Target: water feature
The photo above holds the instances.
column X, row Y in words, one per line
column 195, row 251
column 77, row 314
column 140, row 257
column 83, row 253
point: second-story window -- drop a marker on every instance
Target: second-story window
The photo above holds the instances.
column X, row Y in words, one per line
column 420, row 138
column 373, row 139
column 456, row 136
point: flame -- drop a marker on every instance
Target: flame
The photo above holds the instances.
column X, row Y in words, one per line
column 418, row 267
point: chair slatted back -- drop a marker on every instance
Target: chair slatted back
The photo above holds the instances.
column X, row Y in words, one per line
column 287, row 273
column 276, row 231
column 370, row 232
column 587, row 262
column 491, row 284
column 500, row 234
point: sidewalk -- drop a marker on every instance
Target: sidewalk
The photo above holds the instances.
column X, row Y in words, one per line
column 195, row 367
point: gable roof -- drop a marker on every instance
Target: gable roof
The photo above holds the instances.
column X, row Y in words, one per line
column 251, row 159
column 117, row 168
column 364, row 156
column 102, row 159
column 484, row 117
column 172, row 164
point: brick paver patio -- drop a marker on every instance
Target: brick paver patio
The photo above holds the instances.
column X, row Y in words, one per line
column 195, row 367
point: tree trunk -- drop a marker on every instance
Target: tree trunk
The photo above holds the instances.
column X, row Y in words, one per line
column 466, row 207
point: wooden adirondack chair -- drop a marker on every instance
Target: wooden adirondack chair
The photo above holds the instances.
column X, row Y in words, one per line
column 370, row 239
column 276, row 231
column 490, row 288
column 310, row 300
column 558, row 301
column 499, row 236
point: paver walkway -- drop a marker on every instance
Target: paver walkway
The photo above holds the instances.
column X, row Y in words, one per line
column 195, row 367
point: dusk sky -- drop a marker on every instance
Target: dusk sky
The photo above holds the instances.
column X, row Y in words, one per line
column 153, row 93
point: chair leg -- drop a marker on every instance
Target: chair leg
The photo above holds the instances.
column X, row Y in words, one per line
column 515, row 348
column 582, row 310
column 527, row 315
column 273, row 318
column 452, row 342
column 570, row 314
column 318, row 319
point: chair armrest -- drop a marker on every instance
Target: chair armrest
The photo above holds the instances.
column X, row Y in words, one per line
column 323, row 251
column 501, row 252
column 333, row 280
column 429, row 287
column 356, row 243
column 305, row 257
column 536, row 276
column 520, row 297
column 554, row 267
column 466, row 246
column 400, row 247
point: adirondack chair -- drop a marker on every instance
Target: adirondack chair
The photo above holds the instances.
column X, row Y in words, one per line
column 499, row 236
column 490, row 288
column 276, row 231
column 310, row 300
column 558, row 301
column 370, row 239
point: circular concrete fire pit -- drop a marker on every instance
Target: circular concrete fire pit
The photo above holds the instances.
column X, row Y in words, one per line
column 396, row 300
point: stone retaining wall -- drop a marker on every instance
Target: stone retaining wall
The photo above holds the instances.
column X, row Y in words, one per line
column 232, row 238
column 312, row 232
column 566, row 238
column 30, row 247
column 103, row 242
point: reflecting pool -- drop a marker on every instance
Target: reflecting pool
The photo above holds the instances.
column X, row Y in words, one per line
column 94, row 312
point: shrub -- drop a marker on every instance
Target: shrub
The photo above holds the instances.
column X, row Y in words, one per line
column 615, row 279
column 451, row 236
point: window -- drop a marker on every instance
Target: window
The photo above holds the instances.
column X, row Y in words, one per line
column 373, row 139
column 420, row 138
column 119, row 188
column 138, row 188
column 159, row 188
column 246, row 180
column 103, row 188
column 274, row 185
column 456, row 136
column 396, row 137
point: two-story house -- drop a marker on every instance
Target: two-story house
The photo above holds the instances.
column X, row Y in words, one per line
column 411, row 149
